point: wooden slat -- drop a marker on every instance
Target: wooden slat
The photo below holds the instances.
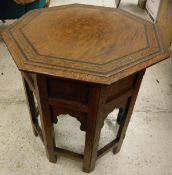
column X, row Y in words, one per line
column 68, row 154
column 107, row 148
column 68, row 104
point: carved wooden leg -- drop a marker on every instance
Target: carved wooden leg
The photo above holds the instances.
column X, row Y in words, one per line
column 127, row 113
column 93, row 128
column 31, row 105
column 45, row 117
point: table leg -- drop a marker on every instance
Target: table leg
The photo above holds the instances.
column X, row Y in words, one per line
column 120, row 115
column 127, row 112
column 31, row 105
column 94, row 124
column 45, row 117
column 117, row 3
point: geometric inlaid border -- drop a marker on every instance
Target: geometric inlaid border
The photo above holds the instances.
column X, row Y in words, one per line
column 108, row 73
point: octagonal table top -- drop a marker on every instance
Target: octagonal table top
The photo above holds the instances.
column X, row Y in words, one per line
column 86, row 43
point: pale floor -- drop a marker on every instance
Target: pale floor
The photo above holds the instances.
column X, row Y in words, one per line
column 147, row 149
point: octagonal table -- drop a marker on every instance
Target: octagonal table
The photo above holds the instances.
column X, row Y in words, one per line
column 84, row 61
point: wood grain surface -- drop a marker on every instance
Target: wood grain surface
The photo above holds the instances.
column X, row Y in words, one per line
column 88, row 43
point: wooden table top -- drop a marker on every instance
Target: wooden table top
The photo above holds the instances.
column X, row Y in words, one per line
column 82, row 42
